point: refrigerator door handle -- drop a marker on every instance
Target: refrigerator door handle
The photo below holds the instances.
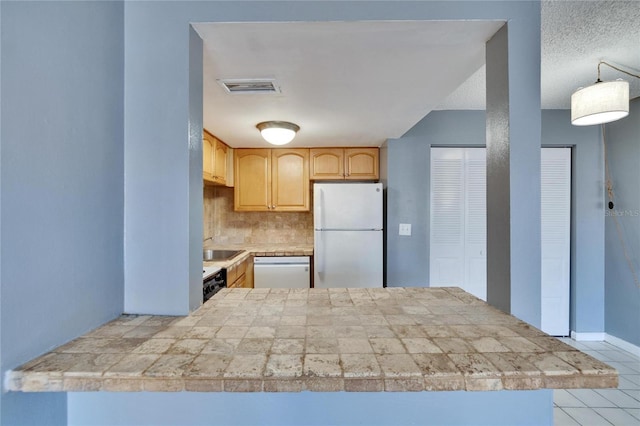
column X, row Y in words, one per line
column 320, row 209
column 319, row 253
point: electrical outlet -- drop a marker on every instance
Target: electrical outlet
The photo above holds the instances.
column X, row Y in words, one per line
column 405, row 229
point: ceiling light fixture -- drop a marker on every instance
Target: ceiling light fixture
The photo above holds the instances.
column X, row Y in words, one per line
column 278, row 132
column 602, row 102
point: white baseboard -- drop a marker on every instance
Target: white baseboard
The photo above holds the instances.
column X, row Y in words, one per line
column 622, row 344
column 588, row 337
column 605, row 337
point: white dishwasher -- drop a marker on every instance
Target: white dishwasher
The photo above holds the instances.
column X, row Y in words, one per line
column 281, row 272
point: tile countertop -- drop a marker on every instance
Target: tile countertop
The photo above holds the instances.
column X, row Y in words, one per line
column 282, row 340
column 259, row 250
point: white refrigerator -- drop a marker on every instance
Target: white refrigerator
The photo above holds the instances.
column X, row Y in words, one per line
column 347, row 219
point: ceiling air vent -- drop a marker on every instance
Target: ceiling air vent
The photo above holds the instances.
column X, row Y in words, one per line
column 239, row 86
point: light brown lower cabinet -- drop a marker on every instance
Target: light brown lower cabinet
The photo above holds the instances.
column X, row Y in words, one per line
column 240, row 282
column 240, row 275
column 249, row 274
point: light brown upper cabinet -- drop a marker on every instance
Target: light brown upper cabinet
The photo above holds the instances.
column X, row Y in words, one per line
column 252, row 179
column 214, row 159
column 207, row 156
column 220, row 162
column 327, row 163
column 290, row 179
column 344, row 163
column 271, row 180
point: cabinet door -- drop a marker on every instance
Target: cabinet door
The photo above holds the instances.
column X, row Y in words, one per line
column 361, row 163
column 252, row 180
column 241, row 268
column 327, row 163
column 290, row 174
column 220, row 162
column 232, row 274
column 207, row 156
column 241, row 282
column 248, row 283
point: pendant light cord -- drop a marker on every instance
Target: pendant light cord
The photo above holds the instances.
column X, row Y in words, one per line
column 615, row 68
column 611, row 196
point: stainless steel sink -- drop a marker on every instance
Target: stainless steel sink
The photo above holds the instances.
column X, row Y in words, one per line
column 218, row 255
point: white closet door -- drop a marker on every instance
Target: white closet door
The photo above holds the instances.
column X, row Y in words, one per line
column 458, row 219
column 475, row 197
column 555, row 248
column 447, row 218
column 458, row 227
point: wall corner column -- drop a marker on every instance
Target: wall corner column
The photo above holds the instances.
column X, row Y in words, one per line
column 195, row 168
column 513, row 132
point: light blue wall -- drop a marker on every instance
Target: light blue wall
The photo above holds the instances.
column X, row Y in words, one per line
column 499, row 185
column 1, row 369
column 196, row 93
column 622, row 296
column 513, row 134
column 159, row 182
column 408, row 184
column 62, row 180
column 313, row 408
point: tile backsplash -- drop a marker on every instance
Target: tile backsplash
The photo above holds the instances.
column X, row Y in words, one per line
column 225, row 226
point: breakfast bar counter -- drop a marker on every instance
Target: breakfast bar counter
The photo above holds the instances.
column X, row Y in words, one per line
column 319, row 340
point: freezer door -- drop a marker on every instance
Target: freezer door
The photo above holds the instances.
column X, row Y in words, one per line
column 347, row 206
column 344, row 259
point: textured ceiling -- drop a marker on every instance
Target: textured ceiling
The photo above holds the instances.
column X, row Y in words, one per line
column 576, row 35
column 359, row 83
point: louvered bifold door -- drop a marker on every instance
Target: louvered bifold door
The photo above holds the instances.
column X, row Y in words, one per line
column 458, row 255
column 458, row 227
column 475, row 197
column 555, row 248
column 447, row 218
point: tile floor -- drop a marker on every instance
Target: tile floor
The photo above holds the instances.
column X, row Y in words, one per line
column 594, row 407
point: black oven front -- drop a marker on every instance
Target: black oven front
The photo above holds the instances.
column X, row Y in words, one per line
column 214, row 284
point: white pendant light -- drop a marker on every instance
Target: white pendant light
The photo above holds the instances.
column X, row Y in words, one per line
column 602, row 102
column 278, row 132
